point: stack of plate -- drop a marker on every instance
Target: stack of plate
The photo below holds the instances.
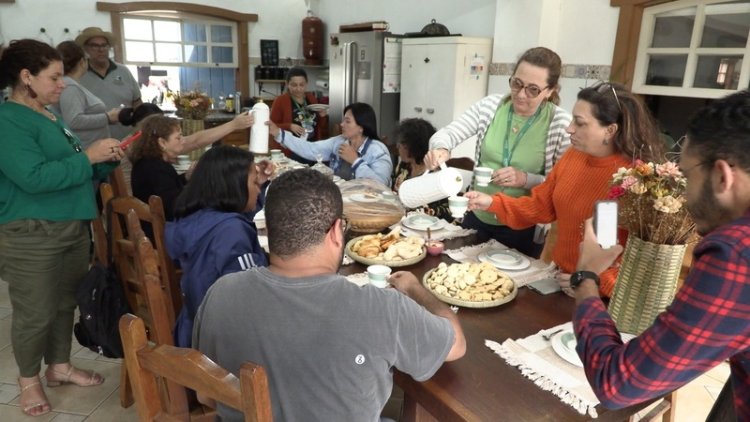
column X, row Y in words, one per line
column 505, row 259
column 422, row 222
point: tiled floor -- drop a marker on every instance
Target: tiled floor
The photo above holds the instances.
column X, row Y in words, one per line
column 75, row 404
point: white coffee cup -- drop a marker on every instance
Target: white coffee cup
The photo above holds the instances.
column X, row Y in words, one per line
column 458, row 206
column 482, row 175
column 183, row 160
column 276, row 154
column 378, row 275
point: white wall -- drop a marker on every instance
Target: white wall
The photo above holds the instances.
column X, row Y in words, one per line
column 582, row 32
column 277, row 19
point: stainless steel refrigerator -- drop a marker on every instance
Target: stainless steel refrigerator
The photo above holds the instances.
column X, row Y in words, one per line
column 366, row 67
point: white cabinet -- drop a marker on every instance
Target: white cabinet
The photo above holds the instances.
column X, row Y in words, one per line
column 441, row 77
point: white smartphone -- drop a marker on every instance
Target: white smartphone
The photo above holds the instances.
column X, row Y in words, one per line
column 605, row 223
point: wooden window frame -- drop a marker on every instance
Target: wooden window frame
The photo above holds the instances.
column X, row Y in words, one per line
column 242, row 76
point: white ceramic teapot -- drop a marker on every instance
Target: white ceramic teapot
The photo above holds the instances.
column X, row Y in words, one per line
column 430, row 187
column 259, row 131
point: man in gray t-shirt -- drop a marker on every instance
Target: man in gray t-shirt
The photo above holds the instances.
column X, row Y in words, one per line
column 109, row 81
column 329, row 346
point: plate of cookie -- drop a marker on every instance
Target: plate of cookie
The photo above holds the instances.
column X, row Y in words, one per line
column 390, row 249
column 471, row 285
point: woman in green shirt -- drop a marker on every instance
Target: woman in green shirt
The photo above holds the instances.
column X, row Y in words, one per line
column 46, row 202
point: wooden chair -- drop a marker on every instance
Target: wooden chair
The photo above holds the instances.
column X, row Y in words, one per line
column 120, row 186
column 190, row 368
column 153, row 214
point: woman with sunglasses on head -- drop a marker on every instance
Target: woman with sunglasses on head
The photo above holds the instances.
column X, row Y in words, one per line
column 611, row 128
column 519, row 136
column 47, row 202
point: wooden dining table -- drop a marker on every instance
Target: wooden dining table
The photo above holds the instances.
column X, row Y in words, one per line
column 481, row 386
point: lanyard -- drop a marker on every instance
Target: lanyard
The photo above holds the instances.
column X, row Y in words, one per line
column 507, row 152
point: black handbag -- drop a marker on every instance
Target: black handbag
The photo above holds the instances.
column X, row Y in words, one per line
column 101, row 302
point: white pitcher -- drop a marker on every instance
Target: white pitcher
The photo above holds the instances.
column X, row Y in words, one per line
column 259, row 131
column 430, row 187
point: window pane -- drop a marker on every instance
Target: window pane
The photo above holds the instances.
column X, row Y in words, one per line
column 222, row 55
column 139, row 51
column 196, row 54
column 168, row 52
column 137, row 29
column 727, row 25
column 221, row 33
column 666, row 70
column 167, row 31
column 673, row 29
column 194, row 32
column 719, row 72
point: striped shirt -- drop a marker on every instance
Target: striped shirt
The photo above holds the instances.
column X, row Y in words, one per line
column 477, row 119
column 707, row 323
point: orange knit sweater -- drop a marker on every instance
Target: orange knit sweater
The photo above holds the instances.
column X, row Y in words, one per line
column 567, row 196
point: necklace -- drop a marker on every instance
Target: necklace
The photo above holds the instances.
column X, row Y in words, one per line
column 43, row 111
column 507, row 151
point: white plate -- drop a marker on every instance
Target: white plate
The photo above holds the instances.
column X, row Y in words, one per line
column 422, row 222
column 505, row 260
column 564, row 344
column 361, row 197
column 317, row 107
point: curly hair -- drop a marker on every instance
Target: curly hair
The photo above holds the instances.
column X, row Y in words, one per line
column 301, row 206
column 721, row 131
column 25, row 54
column 415, row 134
column 154, row 127
column 638, row 133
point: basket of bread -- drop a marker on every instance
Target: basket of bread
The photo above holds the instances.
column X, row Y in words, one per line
column 387, row 249
column 471, row 285
column 369, row 206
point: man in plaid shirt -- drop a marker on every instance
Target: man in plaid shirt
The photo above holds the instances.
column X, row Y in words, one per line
column 709, row 320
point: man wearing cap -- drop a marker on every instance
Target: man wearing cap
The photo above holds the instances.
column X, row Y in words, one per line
column 111, row 82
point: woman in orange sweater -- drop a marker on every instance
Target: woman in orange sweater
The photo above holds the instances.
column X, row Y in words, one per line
column 611, row 127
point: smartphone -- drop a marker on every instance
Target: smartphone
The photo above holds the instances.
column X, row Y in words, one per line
column 605, row 223
column 545, row 286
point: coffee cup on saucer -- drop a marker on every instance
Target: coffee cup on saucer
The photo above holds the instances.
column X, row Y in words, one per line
column 183, row 160
column 378, row 275
column 482, row 175
column 276, row 155
column 458, row 206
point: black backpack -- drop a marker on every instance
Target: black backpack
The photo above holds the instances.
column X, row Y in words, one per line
column 101, row 302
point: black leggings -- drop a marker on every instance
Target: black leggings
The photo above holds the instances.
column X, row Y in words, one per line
column 521, row 240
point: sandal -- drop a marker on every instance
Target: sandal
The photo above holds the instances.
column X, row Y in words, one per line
column 59, row 378
column 37, row 403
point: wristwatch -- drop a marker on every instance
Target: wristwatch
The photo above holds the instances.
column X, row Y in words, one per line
column 577, row 278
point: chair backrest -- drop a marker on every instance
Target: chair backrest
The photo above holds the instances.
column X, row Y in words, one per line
column 152, row 214
column 190, row 368
column 120, row 186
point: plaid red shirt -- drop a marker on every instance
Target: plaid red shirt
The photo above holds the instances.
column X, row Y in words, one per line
column 708, row 322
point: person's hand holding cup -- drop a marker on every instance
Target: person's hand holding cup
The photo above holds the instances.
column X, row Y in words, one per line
column 458, row 206
column 482, row 175
column 378, row 275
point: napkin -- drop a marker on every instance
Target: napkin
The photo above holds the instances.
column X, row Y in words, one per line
column 537, row 361
column 536, row 271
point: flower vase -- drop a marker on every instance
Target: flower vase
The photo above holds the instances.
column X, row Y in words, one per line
column 646, row 283
column 189, row 127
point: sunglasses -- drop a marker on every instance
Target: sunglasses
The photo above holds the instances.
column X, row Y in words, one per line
column 72, row 140
column 531, row 90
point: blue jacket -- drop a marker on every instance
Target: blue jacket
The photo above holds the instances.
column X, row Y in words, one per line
column 209, row 244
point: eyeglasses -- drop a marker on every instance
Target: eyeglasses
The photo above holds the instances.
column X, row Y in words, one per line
column 344, row 224
column 72, row 140
column 531, row 90
column 97, row 46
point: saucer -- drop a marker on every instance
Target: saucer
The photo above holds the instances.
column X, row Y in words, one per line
column 422, row 222
column 564, row 344
column 505, row 259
